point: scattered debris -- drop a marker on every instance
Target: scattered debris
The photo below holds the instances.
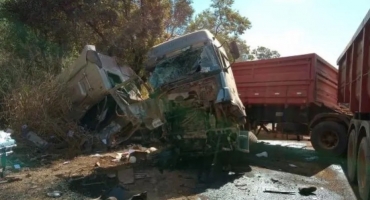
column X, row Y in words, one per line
column 152, row 149
column 17, row 166
column 111, row 175
column 292, row 165
column 141, row 175
column 97, row 164
column 307, row 191
column 126, row 176
column 263, row 154
column 278, row 192
column 66, row 162
column 34, row 138
column 231, row 173
column 274, row 180
column 6, row 143
column 96, row 155
column 54, row 194
column 8, row 130
column 118, row 157
column 312, row 158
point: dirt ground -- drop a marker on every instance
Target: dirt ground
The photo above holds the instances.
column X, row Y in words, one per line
column 288, row 166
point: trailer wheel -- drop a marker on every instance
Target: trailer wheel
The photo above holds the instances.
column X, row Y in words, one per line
column 363, row 170
column 329, row 138
column 351, row 156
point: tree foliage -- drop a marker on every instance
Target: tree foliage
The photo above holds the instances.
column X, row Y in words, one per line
column 262, row 53
column 127, row 27
column 223, row 21
column 180, row 14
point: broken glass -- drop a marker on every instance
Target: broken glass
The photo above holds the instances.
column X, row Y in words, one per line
column 185, row 64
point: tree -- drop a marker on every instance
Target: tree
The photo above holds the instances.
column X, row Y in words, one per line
column 128, row 28
column 226, row 23
column 262, row 53
column 180, row 14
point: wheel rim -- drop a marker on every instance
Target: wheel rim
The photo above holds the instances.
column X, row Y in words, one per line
column 361, row 169
column 329, row 139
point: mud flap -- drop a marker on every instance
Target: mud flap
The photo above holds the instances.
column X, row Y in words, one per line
column 243, row 142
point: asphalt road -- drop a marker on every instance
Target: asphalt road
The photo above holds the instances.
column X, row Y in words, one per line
column 289, row 165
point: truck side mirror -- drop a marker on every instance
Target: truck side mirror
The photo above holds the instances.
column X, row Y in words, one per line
column 234, row 50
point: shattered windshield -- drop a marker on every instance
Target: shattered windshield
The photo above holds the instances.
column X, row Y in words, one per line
column 188, row 62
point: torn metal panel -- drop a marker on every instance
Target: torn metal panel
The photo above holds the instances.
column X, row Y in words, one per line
column 107, row 98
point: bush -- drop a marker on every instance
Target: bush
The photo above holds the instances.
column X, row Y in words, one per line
column 31, row 95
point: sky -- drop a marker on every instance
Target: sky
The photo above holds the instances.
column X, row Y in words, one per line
column 294, row 27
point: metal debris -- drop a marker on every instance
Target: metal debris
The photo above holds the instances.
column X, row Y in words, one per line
column 54, row 194
column 263, row 154
column 34, row 138
column 278, row 192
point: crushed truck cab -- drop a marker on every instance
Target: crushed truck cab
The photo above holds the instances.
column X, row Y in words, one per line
column 191, row 75
column 107, row 98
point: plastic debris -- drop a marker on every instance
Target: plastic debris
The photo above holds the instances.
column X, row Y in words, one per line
column 17, row 166
column 118, row 157
column 263, row 154
column 54, row 194
column 6, row 142
column 66, row 162
column 292, row 165
column 96, row 155
column 152, row 149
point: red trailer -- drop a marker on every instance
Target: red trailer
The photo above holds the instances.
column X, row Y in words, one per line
column 354, row 90
column 295, row 80
column 298, row 94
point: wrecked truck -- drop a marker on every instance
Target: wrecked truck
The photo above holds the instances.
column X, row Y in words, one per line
column 191, row 75
column 107, row 98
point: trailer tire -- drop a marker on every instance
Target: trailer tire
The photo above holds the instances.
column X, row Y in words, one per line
column 363, row 170
column 351, row 157
column 329, row 138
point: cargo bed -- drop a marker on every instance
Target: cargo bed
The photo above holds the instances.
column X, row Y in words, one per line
column 298, row 80
column 289, row 91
